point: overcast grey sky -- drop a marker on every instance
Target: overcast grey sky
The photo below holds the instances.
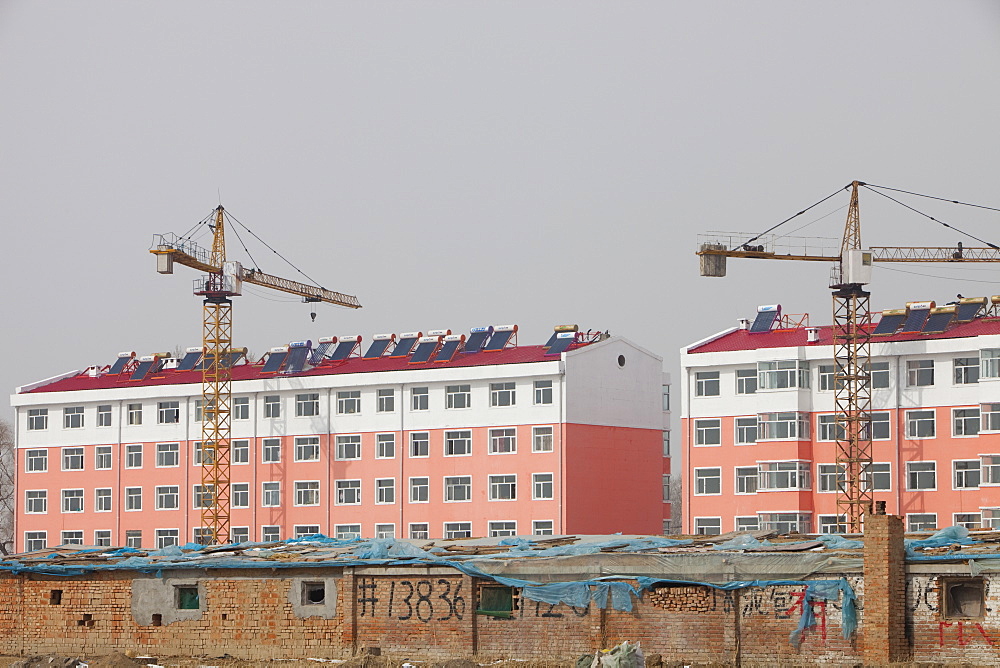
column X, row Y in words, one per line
column 455, row 164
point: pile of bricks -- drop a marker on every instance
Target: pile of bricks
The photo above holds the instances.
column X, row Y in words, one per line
column 688, row 599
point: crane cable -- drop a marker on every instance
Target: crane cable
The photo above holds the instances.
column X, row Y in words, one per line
column 307, row 276
column 941, row 199
column 774, row 227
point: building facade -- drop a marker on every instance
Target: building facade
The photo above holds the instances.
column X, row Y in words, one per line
column 759, row 430
column 511, row 441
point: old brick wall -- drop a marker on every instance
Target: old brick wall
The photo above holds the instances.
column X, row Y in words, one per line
column 935, row 637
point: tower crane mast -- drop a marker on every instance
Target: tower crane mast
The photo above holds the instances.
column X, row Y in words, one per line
column 222, row 280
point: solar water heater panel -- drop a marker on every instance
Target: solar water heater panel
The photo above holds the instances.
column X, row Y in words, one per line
column 889, row 324
column 562, row 343
column 404, row 347
column 119, row 365
column 476, row 340
column 142, row 370
column 938, row 322
column 377, row 349
column 343, row 351
column 499, row 340
column 296, row 359
column 915, row 320
column 424, row 352
column 447, row 351
column 189, row 361
column 763, row 322
column 274, row 362
column 320, row 352
column 968, row 311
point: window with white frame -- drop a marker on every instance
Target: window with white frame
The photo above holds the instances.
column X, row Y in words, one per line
column 133, row 498
column 989, row 363
column 919, row 373
column 831, row 477
column 348, row 492
column 167, row 537
column 921, row 475
column 543, row 392
column 168, row 454
column 990, row 417
column 36, row 501
column 782, row 426
column 971, row 521
column 271, row 450
column 708, row 526
column 348, row 402
column 966, row 370
column 783, row 476
column 349, row 447
column 420, row 444
column 666, row 397
column 272, row 406
column 133, row 456
column 199, row 410
column 746, row 479
column 385, row 446
column 502, row 528
column 542, row 486
column 542, row 527
column 706, row 384
column 36, row 461
column 307, row 448
column 457, row 443
column 458, row 396
column 134, row 414
column 879, row 375
column 502, row 394
column 385, row 490
column 203, row 496
column 458, row 529
column 35, row 540
column 989, row 469
column 419, row 399
column 708, row 481
column 239, row 452
column 73, row 417
column 239, row 535
column 503, row 441
column 104, row 415
column 503, row 487
column 342, row 531
column 307, row 405
column 72, row 538
column 102, row 500
column 420, row 490
column 991, row 518
column 708, row 431
column 748, row 523
column 541, row 439
column 168, row 412
column 827, row 377
column 832, row 524
column 966, row 474
column 102, row 457
column 239, row 494
column 965, row 421
column 72, row 459
column 877, row 477
column 419, row 531
column 307, row 492
column 746, row 430
column 38, row 419
column 270, row 496
column 385, row 531
column 72, row 500
column 666, row 442
column 458, row 488
column 827, row 428
column 746, row 382
column 241, row 408
column 201, row 535
column 385, row 400
column 270, row 533
column 782, row 375
column 921, row 521
column 785, row 522
column 879, row 427
column 168, row 497
column 920, row 424
column 102, row 537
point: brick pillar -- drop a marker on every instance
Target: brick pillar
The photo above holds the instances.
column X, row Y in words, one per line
column 884, row 624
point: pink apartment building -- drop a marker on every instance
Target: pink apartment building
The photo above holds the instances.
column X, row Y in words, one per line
column 759, row 434
column 427, row 437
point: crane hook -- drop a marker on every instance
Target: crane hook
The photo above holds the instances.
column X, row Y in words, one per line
column 313, row 316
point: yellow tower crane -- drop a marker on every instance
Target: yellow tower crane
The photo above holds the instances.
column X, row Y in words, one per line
column 851, row 327
column 223, row 280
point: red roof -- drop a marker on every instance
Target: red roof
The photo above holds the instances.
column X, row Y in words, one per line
column 741, row 339
column 514, row 355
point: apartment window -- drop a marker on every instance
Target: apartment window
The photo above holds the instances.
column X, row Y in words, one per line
column 133, row 538
column 966, row 370
column 203, row 455
column 971, row 521
column 104, row 415
column 270, row 533
column 239, row 535
column 38, row 419
column 503, row 487
column 877, row 477
column 241, row 408
column 168, row 412
column 307, row 405
column 270, row 494
column 307, row 448
column 783, row 475
column 879, row 427
column 707, row 481
column 831, row 477
column 168, row 497
column 706, row 384
column 34, row 540
column 778, row 426
column 135, row 414
column 879, row 375
column 666, row 397
column 239, row 452
column 829, row 524
column 419, row 531
column 784, row 522
column 419, row 399
column 989, row 363
column 921, row 521
column 746, row 479
column 348, row 402
column 72, row 459
column 385, row 446
column 458, row 529
column 272, row 406
column 746, row 382
column 966, row 474
column 419, row 490
column 36, row 501
column 990, row 414
column 990, row 469
column 133, row 456
column 708, row 526
column 746, row 430
column 502, row 394
column 542, row 486
column 385, row 490
column 498, row 529
column 73, row 417
column 239, row 494
column 36, row 461
column 457, row 443
column 458, row 396
column 349, row 447
column 102, row 457
column 666, row 442
column 748, row 523
column 541, row 439
column 921, row 475
column 102, row 500
column 665, row 487
column 920, row 424
column 199, row 411
column 72, row 538
column 386, row 401
column 827, row 377
column 503, row 441
column 965, row 421
column 919, row 373
column 307, row 492
column 166, row 538
column 168, row 454
column 102, row 538
column 348, row 492
column 542, row 528
column 133, row 498
column 708, row 432
column 345, row 531
column 72, row 500
column 782, row 375
column 543, row 392
column 420, row 444
column 271, row 450
column 458, row 488
column 203, row 496
column 385, row 531
column 828, row 428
